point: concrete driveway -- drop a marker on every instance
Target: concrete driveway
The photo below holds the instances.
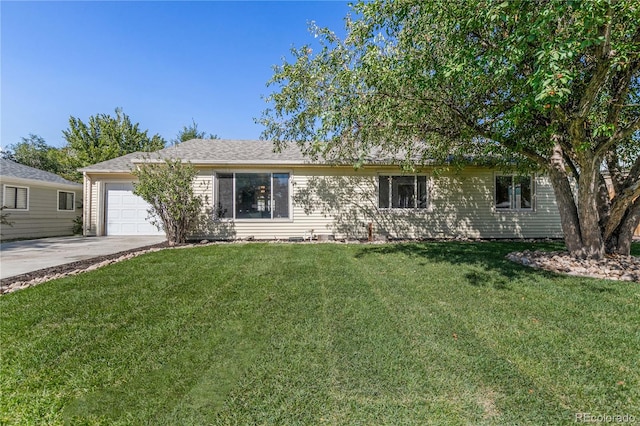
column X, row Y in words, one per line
column 20, row 257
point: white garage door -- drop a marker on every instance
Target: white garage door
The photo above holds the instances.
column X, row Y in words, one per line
column 126, row 212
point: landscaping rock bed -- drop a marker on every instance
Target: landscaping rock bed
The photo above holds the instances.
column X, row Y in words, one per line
column 623, row 268
column 18, row 282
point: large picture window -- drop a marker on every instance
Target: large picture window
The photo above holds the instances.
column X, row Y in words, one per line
column 66, row 200
column 514, row 192
column 252, row 195
column 16, row 197
column 402, row 192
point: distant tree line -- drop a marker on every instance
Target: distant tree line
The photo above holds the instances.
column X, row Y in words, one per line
column 101, row 138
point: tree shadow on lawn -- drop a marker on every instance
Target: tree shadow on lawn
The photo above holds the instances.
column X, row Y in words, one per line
column 486, row 261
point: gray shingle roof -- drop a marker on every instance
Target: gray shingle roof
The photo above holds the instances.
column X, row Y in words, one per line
column 9, row 168
column 122, row 164
column 209, row 151
column 222, row 151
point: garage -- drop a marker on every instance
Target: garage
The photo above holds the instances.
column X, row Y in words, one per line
column 126, row 212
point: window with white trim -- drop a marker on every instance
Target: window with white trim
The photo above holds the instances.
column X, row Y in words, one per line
column 252, row 196
column 16, row 197
column 66, row 200
column 402, row 192
column 513, row 192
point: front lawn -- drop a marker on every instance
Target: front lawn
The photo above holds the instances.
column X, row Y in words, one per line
column 433, row 333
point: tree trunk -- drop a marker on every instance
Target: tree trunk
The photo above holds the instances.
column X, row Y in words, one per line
column 590, row 230
column 566, row 205
column 604, row 202
column 620, row 241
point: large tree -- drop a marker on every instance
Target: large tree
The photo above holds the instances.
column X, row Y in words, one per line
column 547, row 84
column 33, row 151
column 105, row 137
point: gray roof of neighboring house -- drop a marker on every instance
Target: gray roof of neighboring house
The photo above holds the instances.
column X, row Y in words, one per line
column 12, row 169
column 209, row 151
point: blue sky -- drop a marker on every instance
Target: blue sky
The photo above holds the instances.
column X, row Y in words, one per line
column 164, row 63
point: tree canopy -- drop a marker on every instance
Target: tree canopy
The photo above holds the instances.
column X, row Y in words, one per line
column 33, row 151
column 551, row 85
column 191, row 132
column 105, row 137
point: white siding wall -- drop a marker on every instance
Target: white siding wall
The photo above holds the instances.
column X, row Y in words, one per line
column 341, row 202
column 43, row 218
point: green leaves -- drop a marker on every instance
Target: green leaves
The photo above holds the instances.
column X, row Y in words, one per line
column 417, row 70
column 507, row 82
column 105, row 137
column 168, row 188
column 191, row 132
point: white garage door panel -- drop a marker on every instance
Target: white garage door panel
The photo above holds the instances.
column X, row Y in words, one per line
column 126, row 212
column 129, row 214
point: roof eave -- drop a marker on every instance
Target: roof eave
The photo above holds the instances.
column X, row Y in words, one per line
column 105, row 170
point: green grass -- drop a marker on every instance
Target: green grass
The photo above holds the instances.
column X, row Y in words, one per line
column 434, row 333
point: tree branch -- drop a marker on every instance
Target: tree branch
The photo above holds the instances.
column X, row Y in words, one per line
column 619, row 206
column 507, row 142
column 569, row 162
column 622, row 84
column 634, row 173
column 597, row 80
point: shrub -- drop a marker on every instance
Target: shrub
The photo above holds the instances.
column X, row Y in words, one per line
column 168, row 188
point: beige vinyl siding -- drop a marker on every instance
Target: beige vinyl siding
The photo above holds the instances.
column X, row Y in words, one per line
column 203, row 186
column 42, row 219
column 342, row 202
column 92, row 227
column 339, row 201
column 91, row 200
column 298, row 225
column 463, row 206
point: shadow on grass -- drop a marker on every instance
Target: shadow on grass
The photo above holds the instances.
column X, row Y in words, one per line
column 487, row 263
column 487, row 260
column 481, row 279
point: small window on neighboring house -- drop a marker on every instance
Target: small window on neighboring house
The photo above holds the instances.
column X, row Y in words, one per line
column 16, row 197
column 513, row 192
column 66, row 200
column 402, row 192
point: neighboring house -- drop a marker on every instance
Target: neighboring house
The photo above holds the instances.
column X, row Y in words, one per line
column 252, row 192
column 38, row 203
